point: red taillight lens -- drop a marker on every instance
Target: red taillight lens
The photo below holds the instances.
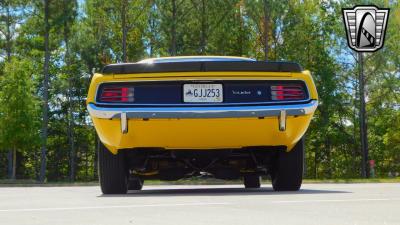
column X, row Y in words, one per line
column 117, row 94
column 287, row 92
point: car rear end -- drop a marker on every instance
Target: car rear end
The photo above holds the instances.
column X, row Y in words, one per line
column 207, row 110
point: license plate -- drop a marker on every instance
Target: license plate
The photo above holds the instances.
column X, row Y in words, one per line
column 202, row 93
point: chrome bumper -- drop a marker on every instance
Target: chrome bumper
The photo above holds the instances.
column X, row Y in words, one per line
column 280, row 111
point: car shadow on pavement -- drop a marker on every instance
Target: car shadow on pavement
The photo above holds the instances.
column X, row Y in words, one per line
column 219, row 192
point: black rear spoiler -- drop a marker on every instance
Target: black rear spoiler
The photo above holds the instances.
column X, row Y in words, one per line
column 204, row 66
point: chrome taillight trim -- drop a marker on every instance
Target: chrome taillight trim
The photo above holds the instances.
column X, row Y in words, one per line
column 307, row 92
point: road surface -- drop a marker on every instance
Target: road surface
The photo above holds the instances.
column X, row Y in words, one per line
column 342, row 204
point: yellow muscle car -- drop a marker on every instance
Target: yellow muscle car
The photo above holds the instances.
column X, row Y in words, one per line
column 176, row 117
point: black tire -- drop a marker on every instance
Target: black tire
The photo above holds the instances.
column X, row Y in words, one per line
column 112, row 172
column 287, row 171
column 252, row 181
column 135, row 183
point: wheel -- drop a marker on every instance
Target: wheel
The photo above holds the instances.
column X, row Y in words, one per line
column 135, row 183
column 112, row 172
column 287, row 171
column 252, row 181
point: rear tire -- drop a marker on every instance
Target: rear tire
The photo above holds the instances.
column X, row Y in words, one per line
column 287, row 171
column 112, row 172
column 135, row 183
column 252, row 181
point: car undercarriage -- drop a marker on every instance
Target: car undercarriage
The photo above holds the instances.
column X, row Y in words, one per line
column 150, row 163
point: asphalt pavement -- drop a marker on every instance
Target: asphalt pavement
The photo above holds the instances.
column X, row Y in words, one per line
column 336, row 204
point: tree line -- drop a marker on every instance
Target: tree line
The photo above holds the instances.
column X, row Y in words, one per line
column 49, row 50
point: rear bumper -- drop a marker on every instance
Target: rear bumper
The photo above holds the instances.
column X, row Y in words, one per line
column 202, row 127
column 280, row 111
column 201, row 112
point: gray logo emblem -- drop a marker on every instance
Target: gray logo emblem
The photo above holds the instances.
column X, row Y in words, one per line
column 365, row 27
column 189, row 93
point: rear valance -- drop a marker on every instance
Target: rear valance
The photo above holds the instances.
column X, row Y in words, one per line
column 242, row 66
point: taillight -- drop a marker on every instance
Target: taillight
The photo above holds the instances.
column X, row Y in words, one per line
column 117, row 94
column 286, row 92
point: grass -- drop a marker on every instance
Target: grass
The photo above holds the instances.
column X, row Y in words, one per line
column 34, row 183
column 190, row 181
column 353, row 180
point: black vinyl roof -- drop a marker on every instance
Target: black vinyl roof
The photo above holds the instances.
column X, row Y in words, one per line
column 202, row 66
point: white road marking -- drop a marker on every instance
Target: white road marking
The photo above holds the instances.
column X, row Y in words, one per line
column 337, row 200
column 114, row 207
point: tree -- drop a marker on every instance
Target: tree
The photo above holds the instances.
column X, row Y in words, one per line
column 45, row 119
column 261, row 12
column 68, row 18
column 382, row 72
column 173, row 13
column 11, row 14
column 18, row 121
column 218, row 27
